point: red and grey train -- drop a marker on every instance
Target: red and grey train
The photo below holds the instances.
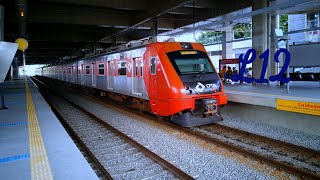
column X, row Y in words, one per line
column 169, row 79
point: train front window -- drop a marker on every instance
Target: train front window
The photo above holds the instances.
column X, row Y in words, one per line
column 190, row 62
column 193, row 65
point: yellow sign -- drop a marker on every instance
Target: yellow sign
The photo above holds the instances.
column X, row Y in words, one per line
column 299, row 106
column 188, row 52
column 22, row 44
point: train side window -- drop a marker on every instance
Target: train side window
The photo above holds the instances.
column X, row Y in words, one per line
column 141, row 68
column 88, row 69
column 101, row 69
column 153, row 65
column 122, row 68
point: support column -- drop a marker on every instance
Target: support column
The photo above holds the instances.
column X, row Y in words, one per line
column 273, row 46
column 1, row 23
column 227, row 36
column 22, row 16
column 224, row 44
column 93, row 48
column 2, row 96
column 259, row 37
column 114, row 41
column 15, row 68
column 155, row 29
column 23, row 61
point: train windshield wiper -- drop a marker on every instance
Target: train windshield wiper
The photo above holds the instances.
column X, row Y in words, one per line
column 202, row 73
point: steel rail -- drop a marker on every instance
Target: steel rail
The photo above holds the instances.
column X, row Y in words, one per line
column 264, row 159
column 78, row 140
column 292, row 147
column 167, row 165
column 245, row 152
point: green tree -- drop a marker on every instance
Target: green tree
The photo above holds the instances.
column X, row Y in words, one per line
column 284, row 22
column 242, row 30
column 209, row 37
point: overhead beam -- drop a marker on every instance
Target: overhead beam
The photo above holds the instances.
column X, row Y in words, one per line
column 239, row 15
column 43, row 13
column 201, row 4
column 65, row 33
column 157, row 8
column 115, row 4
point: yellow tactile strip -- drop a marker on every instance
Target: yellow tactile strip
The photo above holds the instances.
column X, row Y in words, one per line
column 40, row 167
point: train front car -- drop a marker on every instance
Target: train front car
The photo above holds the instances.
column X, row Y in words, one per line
column 183, row 84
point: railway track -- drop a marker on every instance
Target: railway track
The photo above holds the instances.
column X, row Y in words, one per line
column 291, row 158
column 297, row 160
column 117, row 155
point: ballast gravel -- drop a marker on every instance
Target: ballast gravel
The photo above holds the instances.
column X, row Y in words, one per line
column 121, row 164
column 195, row 160
column 279, row 133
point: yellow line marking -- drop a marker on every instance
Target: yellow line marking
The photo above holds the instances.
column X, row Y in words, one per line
column 40, row 167
column 273, row 95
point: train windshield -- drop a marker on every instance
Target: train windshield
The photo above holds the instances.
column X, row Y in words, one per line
column 190, row 62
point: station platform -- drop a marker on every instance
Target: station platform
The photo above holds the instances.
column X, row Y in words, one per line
column 270, row 104
column 33, row 143
column 266, row 95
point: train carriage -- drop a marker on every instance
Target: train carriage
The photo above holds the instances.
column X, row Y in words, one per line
column 169, row 79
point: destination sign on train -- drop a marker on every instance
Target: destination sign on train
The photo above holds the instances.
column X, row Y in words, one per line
column 188, row 52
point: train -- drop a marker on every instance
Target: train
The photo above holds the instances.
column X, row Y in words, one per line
column 173, row 80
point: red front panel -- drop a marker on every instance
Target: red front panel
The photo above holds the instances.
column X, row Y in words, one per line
column 166, row 90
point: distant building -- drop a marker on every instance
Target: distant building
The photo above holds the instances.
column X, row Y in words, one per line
column 304, row 22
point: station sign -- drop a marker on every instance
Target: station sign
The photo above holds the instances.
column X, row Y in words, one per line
column 251, row 56
column 298, row 106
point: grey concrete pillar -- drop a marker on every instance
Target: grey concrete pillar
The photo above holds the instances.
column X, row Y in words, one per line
column 227, row 36
column 23, row 25
column 114, row 41
column 15, row 68
column 1, row 23
column 224, row 44
column 155, row 29
column 2, row 97
column 23, row 32
column 259, row 36
column 93, row 48
column 273, row 46
column 24, row 61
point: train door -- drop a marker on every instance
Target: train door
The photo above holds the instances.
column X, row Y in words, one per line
column 65, row 74
column 71, row 74
column 58, row 73
column 110, row 75
column 93, row 74
column 137, row 76
column 153, row 78
column 76, row 72
column 82, row 74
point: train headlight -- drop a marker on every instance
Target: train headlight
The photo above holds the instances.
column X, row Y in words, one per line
column 210, row 105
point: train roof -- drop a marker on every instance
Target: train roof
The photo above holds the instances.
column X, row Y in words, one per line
column 117, row 49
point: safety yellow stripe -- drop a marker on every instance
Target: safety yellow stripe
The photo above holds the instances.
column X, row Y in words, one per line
column 40, row 167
